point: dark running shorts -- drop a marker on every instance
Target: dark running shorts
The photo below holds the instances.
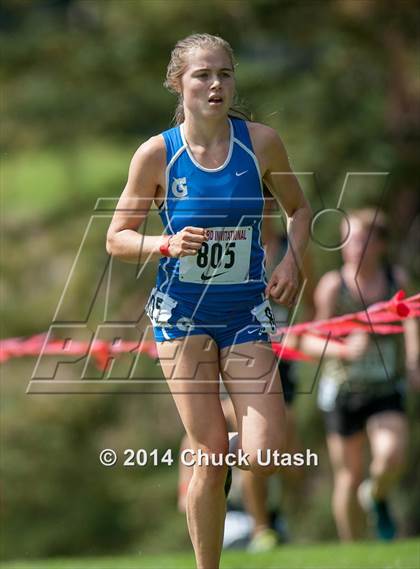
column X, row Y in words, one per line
column 352, row 410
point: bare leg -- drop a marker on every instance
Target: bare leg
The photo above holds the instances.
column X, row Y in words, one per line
column 185, row 472
column 192, row 371
column 251, row 377
column 388, row 433
column 184, row 476
column 346, row 455
column 254, row 488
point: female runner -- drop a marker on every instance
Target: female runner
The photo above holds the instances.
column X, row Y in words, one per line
column 210, row 309
column 362, row 385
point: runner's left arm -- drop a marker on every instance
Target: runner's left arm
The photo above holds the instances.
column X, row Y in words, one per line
column 284, row 186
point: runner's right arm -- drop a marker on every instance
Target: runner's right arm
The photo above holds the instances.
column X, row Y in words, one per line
column 146, row 175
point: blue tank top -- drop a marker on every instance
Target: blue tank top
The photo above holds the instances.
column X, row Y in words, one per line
column 228, row 202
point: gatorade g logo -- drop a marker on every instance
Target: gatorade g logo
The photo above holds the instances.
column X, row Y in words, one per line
column 179, row 187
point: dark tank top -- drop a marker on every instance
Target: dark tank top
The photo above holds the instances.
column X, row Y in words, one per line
column 383, row 361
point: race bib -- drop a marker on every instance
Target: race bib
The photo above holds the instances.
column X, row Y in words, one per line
column 159, row 307
column 223, row 259
column 265, row 317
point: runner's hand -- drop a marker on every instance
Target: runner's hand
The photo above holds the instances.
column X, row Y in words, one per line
column 283, row 285
column 188, row 241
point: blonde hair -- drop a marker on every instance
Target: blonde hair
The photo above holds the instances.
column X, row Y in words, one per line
column 178, row 64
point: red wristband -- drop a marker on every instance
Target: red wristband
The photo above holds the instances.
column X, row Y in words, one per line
column 164, row 248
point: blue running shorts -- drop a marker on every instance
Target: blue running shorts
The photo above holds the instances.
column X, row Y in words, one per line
column 238, row 322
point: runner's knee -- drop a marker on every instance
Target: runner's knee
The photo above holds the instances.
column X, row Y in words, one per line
column 213, row 476
column 263, row 470
column 263, row 463
column 348, row 479
column 209, row 461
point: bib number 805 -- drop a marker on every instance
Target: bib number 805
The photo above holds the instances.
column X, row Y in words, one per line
column 211, row 255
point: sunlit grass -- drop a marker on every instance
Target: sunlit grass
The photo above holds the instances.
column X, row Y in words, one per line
column 367, row 555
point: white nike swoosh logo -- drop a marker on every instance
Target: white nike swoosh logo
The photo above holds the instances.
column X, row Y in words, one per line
column 252, row 331
column 240, row 173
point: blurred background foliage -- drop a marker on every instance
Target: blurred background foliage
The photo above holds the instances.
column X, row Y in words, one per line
column 82, row 88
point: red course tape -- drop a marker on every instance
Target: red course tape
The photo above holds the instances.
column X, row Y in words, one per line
column 376, row 319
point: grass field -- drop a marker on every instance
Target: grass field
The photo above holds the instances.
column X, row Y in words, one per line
column 369, row 555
